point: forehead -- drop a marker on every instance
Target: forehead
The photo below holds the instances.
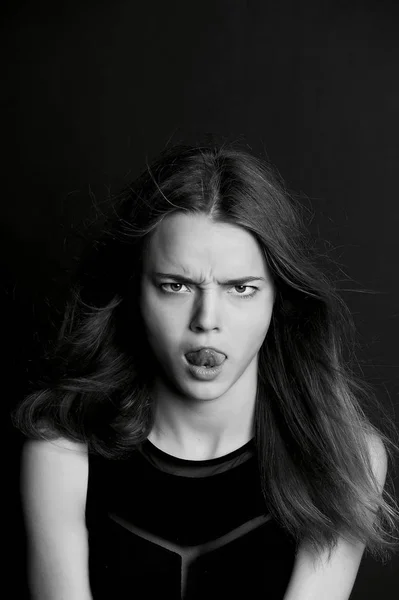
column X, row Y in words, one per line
column 194, row 242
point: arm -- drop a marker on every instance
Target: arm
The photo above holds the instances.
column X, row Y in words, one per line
column 54, row 478
column 333, row 579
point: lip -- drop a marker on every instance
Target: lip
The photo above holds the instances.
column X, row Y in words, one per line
column 204, row 373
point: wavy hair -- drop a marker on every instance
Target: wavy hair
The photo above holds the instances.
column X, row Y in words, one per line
column 313, row 415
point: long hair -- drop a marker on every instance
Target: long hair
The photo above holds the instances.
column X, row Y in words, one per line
column 312, row 423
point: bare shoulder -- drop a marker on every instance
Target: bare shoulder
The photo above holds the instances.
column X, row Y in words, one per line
column 378, row 458
column 59, row 444
column 48, row 454
column 333, row 578
column 54, row 475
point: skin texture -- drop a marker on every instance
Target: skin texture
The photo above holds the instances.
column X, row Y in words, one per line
column 179, row 316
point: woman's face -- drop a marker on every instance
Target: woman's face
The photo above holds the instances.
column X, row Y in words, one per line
column 204, row 285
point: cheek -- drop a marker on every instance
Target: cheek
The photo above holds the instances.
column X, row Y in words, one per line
column 251, row 331
column 161, row 326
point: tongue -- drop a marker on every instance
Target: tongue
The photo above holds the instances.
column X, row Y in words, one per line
column 205, row 358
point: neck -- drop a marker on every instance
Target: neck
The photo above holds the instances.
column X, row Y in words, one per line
column 203, row 429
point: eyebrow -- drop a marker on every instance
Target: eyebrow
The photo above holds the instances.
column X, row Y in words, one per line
column 184, row 279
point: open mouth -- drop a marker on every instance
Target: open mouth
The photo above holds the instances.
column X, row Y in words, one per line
column 207, row 358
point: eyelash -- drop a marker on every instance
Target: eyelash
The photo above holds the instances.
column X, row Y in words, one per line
column 241, row 296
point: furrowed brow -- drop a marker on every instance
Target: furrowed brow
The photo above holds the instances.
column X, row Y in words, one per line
column 242, row 280
column 185, row 279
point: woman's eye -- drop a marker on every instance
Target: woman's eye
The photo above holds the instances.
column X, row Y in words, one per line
column 240, row 291
column 245, row 291
column 172, row 288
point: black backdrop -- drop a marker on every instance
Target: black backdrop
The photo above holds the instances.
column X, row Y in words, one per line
column 90, row 90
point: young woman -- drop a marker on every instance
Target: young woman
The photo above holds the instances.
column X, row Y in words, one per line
column 199, row 432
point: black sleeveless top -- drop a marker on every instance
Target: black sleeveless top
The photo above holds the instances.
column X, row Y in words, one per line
column 164, row 527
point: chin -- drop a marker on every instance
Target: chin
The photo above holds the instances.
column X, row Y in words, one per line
column 204, row 391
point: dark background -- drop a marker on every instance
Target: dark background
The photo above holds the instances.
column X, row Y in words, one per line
column 92, row 89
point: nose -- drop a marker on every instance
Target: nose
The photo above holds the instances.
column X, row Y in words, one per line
column 205, row 312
